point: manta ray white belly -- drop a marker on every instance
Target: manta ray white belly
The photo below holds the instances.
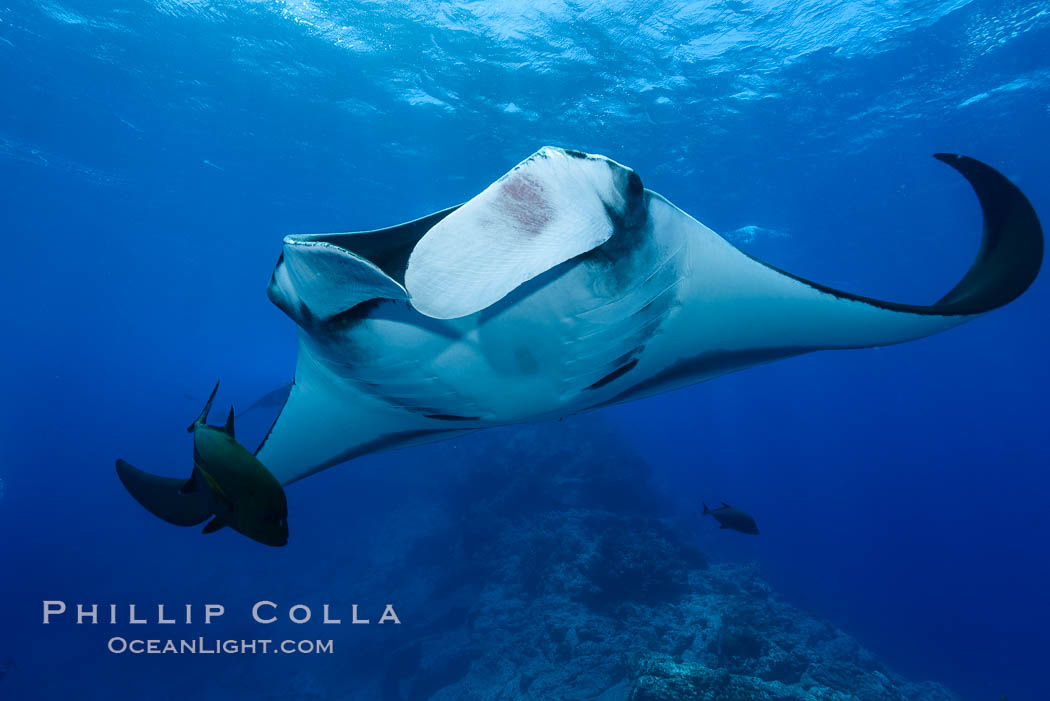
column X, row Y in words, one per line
column 562, row 287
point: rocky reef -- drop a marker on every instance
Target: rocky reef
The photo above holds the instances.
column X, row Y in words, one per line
column 548, row 570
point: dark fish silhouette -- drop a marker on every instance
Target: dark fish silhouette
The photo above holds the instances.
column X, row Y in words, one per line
column 732, row 519
column 228, row 484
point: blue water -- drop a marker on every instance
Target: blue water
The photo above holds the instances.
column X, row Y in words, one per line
column 153, row 154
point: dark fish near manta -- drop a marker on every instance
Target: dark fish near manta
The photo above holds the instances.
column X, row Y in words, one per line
column 730, row 518
column 228, row 483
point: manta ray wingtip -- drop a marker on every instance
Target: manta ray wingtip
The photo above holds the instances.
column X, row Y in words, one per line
column 1011, row 251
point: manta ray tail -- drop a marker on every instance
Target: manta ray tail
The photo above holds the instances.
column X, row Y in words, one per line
column 163, row 496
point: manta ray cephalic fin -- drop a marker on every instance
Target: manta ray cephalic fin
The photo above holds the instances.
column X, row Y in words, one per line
column 553, row 206
column 315, row 280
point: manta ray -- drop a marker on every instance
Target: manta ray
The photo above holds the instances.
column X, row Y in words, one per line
column 563, row 287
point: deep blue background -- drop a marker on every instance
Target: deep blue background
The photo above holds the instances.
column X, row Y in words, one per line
column 153, row 155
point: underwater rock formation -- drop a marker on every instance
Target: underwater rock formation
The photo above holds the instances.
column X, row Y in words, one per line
column 547, row 570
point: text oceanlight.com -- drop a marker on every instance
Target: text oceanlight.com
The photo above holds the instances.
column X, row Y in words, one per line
column 204, row 646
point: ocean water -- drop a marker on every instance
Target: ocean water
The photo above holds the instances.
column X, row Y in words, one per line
column 152, row 157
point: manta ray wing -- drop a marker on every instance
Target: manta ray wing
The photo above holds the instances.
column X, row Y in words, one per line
column 740, row 312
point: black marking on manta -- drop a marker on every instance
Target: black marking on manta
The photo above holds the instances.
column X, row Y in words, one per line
column 452, row 417
column 615, row 374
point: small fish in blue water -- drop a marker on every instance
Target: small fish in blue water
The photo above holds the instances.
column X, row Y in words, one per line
column 730, row 518
column 228, row 483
